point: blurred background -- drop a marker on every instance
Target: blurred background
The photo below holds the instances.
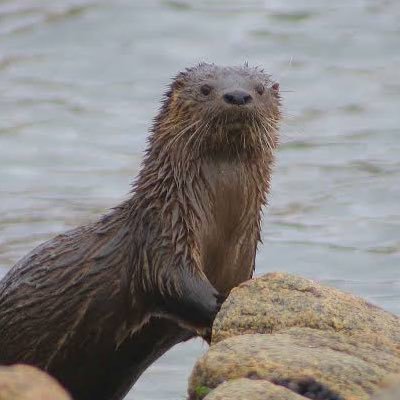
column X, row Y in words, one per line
column 80, row 82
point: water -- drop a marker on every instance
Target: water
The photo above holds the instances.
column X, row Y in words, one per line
column 81, row 80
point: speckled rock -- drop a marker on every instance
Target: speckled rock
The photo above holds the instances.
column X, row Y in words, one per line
column 279, row 301
column 283, row 358
column 313, row 341
column 23, row 382
column 249, row 389
column 391, row 391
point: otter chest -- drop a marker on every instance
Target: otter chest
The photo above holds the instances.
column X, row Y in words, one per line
column 228, row 239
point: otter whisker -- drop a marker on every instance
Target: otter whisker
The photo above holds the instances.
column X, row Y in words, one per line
column 270, row 146
column 268, row 132
column 193, row 136
column 180, row 134
column 244, row 140
column 255, row 132
column 199, row 137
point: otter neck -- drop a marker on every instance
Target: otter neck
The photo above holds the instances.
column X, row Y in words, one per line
column 200, row 203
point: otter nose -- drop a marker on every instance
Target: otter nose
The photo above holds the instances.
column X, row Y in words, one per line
column 237, row 97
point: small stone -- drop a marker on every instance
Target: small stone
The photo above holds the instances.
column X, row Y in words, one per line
column 23, row 382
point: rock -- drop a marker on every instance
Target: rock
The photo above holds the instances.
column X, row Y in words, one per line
column 392, row 391
column 245, row 389
column 279, row 301
column 282, row 359
column 23, row 382
column 292, row 337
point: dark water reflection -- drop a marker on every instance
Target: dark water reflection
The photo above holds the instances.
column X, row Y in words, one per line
column 80, row 82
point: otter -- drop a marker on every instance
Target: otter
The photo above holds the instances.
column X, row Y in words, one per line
column 95, row 306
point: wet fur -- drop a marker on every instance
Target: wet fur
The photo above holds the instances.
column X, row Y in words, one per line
column 96, row 305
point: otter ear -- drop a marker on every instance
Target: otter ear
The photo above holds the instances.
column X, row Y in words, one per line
column 275, row 89
column 179, row 81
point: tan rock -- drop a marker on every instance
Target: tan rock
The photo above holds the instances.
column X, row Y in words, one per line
column 282, row 330
column 23, row 382
column 281, row 358
column 383, row 354
column 249, row 389
column 279, row 301
column 391, row 391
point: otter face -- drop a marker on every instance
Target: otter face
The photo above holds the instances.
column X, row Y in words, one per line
column 226, row 107
column 226, row 89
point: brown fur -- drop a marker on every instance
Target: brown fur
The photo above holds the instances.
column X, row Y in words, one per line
column 96, row 305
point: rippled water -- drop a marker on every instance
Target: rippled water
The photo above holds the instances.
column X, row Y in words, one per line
column 81, row 80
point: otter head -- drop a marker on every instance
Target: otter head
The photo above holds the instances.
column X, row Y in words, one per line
column 231, row 110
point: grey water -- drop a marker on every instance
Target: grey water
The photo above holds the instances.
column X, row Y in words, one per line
column 80, row 82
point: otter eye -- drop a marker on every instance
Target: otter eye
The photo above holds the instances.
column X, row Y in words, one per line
column 260, row 89
column 206, row 89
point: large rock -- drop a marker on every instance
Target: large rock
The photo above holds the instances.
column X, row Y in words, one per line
column 279, row 301
column 287, row 336
column 23, row 382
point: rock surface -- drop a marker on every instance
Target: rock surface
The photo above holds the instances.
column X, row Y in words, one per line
column 248, row 389
column 287, row 336
column 23, row 382
column 392, row 391
column 279, row 301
